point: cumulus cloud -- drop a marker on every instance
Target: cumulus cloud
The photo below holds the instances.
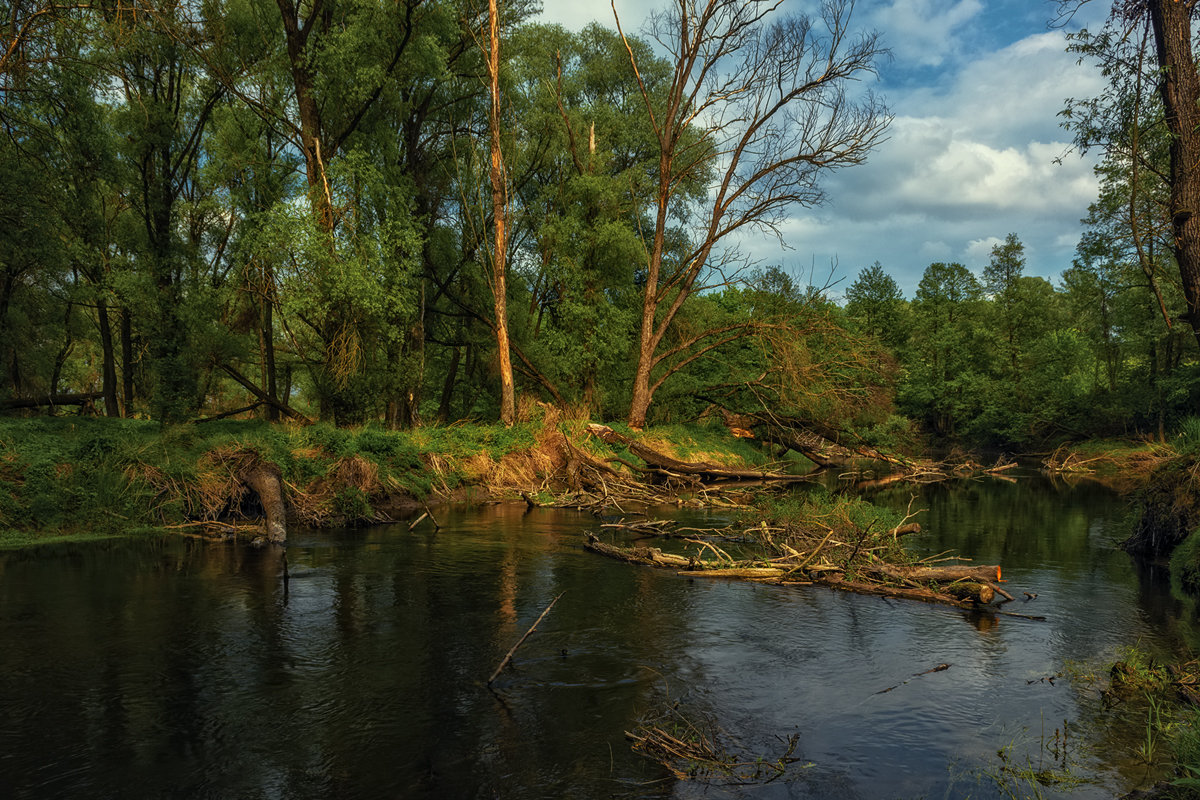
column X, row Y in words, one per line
column 924, row 32
column 974, row 152
column 969, row 159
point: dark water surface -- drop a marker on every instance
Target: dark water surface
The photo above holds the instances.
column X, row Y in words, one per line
column 180, row 668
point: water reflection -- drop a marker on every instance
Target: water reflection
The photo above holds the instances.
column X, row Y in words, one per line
column 183, row 668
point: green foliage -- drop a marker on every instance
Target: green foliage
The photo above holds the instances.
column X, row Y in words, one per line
column 1185, row 749
column 353, row 504
column 1185, row 563
column 70, row 474
column 894, row 434
column 1187, row 440
column 875, row 303
column 824, row 510
column 160, row 223
column 397, row 451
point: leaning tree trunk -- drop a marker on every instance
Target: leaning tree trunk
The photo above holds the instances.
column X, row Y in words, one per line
column 1179, row 87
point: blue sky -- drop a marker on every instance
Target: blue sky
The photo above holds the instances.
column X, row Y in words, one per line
column 974, row 152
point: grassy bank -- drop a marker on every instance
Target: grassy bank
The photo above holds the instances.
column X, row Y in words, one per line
column 77, row 477
column 1125, row 465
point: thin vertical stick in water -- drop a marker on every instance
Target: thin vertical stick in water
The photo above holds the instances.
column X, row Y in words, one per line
column 508, row 656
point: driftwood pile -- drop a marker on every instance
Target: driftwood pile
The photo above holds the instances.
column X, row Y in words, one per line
column 862, row 562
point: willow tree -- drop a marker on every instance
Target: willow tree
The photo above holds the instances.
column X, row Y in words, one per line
column 758, row 104
column 320, row 74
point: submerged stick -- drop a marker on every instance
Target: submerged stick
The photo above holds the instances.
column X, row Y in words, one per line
column 508, row 656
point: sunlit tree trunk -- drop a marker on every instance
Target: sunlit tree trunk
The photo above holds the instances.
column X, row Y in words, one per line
column 508, row 413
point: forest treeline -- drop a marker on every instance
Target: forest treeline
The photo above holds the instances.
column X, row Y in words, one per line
column 364, row 212
column 1013, row 360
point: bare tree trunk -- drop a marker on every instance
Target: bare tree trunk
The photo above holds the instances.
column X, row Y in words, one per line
column 647, row 340
column 126, row 364
column 1179, row 87
column 508, row 412
column 268, row 345
column 108, row 356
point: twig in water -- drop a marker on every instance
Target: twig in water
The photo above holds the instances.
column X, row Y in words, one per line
column 508, row 656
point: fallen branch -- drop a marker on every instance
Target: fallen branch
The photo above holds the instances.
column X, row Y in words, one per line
column 227, row 414
column 945, row 574
column 650, row 556
column 249, row 386
column 508, row 656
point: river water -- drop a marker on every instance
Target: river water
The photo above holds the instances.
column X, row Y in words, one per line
column 182, row 668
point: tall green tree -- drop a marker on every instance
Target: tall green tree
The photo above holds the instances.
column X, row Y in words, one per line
column 949, row 358
column 592, row 159
column 876, row 303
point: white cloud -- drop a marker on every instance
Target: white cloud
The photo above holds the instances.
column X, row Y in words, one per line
column 975, row 150
column 980, row 250
column 924, row 32
column 967, row 161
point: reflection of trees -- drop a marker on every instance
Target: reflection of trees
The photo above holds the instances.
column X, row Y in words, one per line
column 183, row 667
column 1027, row 524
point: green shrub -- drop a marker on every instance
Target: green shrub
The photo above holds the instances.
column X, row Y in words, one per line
column 1185, row 562
column 353, row 504
column 1188, row 440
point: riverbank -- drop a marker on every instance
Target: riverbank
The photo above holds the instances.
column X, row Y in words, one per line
column 84, row 478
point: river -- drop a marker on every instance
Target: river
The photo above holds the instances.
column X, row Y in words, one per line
column 177, row 667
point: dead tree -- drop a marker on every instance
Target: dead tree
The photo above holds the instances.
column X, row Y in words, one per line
column 756, row 112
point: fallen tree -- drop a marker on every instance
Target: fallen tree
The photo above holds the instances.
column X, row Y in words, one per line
column 814, row 538
column 956, row 585
column 44, row 400
column 701, row 470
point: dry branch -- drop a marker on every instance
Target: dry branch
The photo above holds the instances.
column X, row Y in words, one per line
column 508, row 656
